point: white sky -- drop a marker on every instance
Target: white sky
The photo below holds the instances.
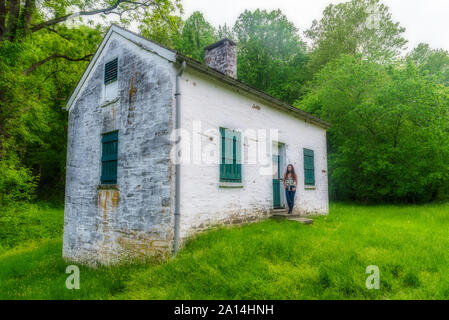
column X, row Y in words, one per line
column 424, row 20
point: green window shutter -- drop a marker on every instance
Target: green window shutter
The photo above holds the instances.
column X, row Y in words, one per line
column 110, row 71
column 223, row 153
column 109, row 155
column 309, row 168
column 231, row 153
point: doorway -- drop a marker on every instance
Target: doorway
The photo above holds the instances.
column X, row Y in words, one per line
column 278, row 164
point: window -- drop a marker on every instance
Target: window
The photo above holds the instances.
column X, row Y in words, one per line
column 110, row 71
column 109, row 153
column 231, row 164
column 309, row 168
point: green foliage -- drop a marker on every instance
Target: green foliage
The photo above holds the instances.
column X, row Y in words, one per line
column 196, row 34
column 17, row 183
column 225, row 31
column 389, row 138
column 271, row 55
column 431, row 62
column 22, row 18
column 33, row 123
column 29, row 222
column 267, row 260
column 163, row 26
column 355, row 27
column 42, row 61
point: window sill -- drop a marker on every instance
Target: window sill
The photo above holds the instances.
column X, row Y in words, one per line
column 109, row 102
column 231, row 185
column 107, row 187
column 310, row 187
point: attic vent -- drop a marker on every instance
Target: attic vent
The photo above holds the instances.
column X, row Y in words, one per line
column 110, row 71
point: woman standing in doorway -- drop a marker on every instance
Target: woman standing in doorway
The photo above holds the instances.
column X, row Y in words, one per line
column 290, row 183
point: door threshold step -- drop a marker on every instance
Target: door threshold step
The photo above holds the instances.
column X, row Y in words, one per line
column 284, row 215
column 301, row 220
column 280, row 210
column 292, row 217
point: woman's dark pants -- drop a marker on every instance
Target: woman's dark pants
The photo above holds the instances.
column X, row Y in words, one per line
column 290, row 195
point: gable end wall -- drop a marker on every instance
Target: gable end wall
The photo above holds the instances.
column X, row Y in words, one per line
column 136, row 219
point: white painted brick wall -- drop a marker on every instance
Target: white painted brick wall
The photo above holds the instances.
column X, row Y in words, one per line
column 217, row 105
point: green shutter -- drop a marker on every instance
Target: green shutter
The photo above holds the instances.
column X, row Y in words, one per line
column 231, row 150
column 309, row 168
column 109, row 153
column 110, row 71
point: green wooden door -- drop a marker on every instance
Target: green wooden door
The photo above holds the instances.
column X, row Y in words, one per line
column 276, row 182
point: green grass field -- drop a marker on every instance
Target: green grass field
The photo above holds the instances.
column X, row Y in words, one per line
column 267, row 260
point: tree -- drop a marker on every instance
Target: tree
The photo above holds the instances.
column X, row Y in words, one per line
column 356, row 27
column 432, row 62
column 389, row 139
column 196, row 34
column 224, row 31
column 33, row 123
column 271, row 55
column 163, row 26
column 41, row 61
column 19, row 18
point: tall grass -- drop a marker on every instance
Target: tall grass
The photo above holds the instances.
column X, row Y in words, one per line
column 268, row 260
column 23, row 222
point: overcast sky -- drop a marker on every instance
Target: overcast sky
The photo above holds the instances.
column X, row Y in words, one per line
column 424, row 20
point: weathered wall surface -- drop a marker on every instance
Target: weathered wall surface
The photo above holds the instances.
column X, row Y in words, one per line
column 136, row 218
column 203, row 201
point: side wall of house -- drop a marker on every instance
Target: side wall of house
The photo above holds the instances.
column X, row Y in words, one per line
column 207, row 105
column 135, row 217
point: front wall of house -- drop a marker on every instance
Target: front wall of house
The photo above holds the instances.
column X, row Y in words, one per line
column 215, row 105
column 136, row 218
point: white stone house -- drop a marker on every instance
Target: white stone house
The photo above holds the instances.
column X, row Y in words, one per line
column 135, row 189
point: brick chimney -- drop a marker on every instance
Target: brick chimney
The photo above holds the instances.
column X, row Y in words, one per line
column 222, row 56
